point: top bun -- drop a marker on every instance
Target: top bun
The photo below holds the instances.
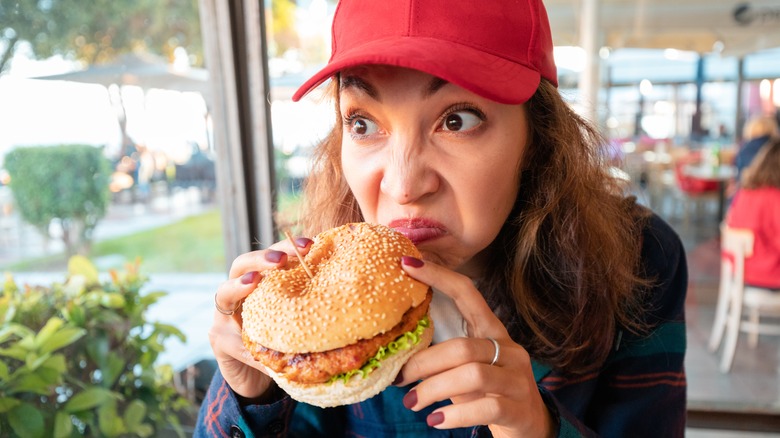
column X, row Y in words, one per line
column 358, row 291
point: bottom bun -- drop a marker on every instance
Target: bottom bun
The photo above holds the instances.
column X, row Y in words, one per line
column 358, row 388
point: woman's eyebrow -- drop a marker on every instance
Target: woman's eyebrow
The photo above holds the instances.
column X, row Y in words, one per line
column 434, row 86
column 357, row 82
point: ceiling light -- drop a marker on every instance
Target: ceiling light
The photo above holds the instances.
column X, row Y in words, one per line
column 645, row 87
column 765, row 89
column 776, row 93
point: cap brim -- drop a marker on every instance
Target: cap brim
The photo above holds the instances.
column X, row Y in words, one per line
column 489, row 76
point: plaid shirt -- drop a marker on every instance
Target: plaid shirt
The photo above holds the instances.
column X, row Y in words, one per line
column 639, row 391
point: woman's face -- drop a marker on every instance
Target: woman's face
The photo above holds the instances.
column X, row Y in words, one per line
column 430, row 159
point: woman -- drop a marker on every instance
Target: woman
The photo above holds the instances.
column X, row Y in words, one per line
column 451, row 130
column 758, row 131
column 756, row 206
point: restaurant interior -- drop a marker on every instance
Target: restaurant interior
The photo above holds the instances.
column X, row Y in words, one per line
column 676, row 100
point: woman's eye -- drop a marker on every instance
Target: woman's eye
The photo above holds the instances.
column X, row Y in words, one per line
column 362, row 127
column 460, row 121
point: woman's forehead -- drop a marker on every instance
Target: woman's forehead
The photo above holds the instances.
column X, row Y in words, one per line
column 377, row 74
column 372, row 83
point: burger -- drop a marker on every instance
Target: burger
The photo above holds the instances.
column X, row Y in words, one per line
column 339, row 333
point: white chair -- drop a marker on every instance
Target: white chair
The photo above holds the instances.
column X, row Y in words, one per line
column 734, row 297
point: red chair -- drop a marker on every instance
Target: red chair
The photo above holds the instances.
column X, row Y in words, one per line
column 694, row 191
column 692, row 185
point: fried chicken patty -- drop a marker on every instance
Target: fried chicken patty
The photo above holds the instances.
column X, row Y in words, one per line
column 321, row 366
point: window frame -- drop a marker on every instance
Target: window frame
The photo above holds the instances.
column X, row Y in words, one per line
column 236, row 57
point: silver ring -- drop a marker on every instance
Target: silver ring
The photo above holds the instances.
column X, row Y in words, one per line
column 221, row 310
column 498, row 351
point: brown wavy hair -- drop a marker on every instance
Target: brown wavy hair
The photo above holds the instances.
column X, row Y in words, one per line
column 563, row 275
column 764, row 170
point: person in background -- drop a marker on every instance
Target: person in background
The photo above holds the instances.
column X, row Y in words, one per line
column 758, row 131
column 756, row 206
column 450, row 129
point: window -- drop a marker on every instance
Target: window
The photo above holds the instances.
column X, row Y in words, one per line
column 129, row 89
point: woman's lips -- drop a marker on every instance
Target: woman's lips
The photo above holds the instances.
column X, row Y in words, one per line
column 418, row 230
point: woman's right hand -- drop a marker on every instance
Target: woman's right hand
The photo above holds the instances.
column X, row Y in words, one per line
column 247, row 377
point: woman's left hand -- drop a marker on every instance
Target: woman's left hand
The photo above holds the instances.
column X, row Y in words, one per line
column 503, row 396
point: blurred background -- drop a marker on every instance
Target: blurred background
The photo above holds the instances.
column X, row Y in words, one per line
column 172, row 128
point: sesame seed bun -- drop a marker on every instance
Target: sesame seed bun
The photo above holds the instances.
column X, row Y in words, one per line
column 358, row 292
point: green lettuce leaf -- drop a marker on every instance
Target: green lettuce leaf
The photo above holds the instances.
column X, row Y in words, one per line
column 403, row 342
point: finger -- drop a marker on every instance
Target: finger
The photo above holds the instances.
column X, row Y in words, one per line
column 276, row 255
column 471, row 304
column 456, row 352
column 466, row 382
column 527, row 416
column 257, row 261
column 225, row 339
column 245, row 375
column 484, row 410
column 231, row 294
column 302, row 244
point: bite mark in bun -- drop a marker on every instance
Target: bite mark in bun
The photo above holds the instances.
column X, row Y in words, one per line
column 342, row 335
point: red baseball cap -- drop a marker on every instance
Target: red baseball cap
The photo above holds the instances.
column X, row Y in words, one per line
column 498, row 49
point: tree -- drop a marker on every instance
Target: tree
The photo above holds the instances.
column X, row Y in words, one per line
column 65, row 184
column 281, row 27
column 99, row 31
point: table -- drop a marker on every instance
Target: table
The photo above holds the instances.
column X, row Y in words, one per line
column 721, row 174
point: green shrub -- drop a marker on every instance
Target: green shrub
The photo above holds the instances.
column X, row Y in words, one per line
column 79, row 358
column 67, row 183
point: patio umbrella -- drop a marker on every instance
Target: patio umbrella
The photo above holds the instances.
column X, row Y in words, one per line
column 144, row 70
column 141, row 69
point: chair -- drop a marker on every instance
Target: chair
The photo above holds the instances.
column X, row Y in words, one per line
column 734, row 297
column 693, row 192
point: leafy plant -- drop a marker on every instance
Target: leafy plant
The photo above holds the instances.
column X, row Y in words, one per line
column 66, row 183
column 79, row 358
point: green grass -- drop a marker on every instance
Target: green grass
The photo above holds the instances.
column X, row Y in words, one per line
column 194, row 244
column 287, row 209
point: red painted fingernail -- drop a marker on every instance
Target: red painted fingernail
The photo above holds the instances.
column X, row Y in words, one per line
column 274, row 256
column 412, row 261
column 410, row 399
column 435, row 419
column 303, row 242
column 399, row 378
column 249, row 277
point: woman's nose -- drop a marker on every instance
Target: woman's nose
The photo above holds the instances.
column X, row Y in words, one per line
column 409, row 174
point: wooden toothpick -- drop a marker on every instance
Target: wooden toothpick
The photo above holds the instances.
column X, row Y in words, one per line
column 298, row 253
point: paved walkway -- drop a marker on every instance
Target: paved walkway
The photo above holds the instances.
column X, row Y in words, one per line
column 19, row 240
